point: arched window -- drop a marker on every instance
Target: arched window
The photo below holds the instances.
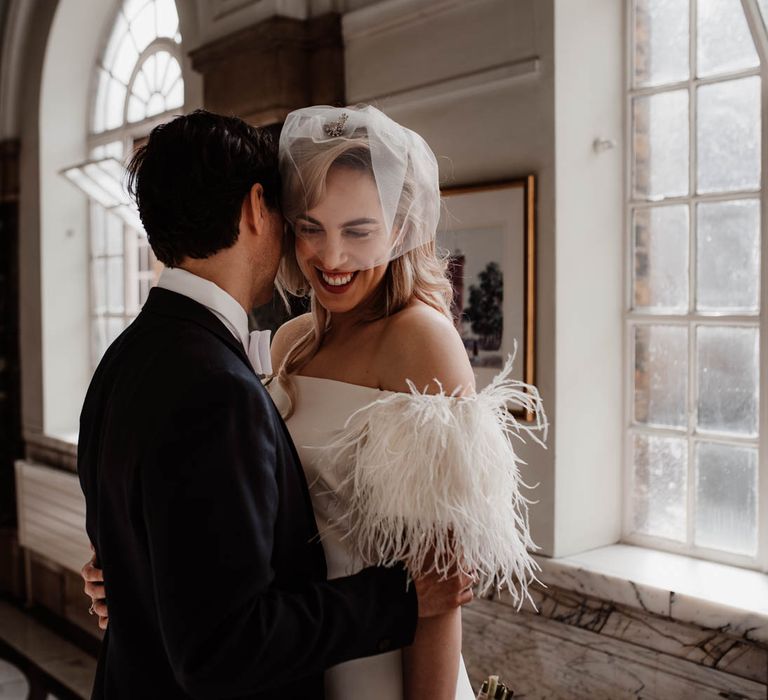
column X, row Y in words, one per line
column 138, row 84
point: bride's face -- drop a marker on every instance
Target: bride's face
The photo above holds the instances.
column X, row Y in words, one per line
column 342, row 245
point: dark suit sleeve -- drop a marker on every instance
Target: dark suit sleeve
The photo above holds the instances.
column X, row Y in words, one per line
column 210, row 501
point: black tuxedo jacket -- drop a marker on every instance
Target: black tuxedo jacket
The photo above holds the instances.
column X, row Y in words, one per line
column 199, row 511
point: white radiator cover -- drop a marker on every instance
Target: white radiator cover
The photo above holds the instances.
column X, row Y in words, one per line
column 51, row 514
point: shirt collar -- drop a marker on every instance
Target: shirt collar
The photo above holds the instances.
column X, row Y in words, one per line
column 211, row 296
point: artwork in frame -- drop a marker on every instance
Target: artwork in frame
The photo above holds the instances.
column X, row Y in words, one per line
column 489, row 231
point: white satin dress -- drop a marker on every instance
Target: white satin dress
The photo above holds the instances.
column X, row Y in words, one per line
column 322, row 408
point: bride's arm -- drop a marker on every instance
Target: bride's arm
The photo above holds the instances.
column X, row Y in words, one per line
column 420, row 344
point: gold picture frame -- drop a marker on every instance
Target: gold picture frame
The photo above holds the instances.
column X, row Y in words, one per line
column 488, row 229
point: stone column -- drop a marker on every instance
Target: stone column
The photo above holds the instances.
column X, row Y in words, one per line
column 271, row 68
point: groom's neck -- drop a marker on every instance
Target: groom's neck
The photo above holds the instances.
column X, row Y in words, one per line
column 229, row 272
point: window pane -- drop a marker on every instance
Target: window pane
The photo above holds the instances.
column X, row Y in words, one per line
column 115, row 285
column 727, row 372
column 172, row 73
column 115, row 327
column 726, row 498
column 114, row 234
column 125, row 60
column 660, row 145
column 724, row 42
column 99, row 285
column 660, row 486
column 728, row 258
column 661, row 375
column 175, row 96
column 99, row 337
column 143, row 27
column 728, row 136
column 167, row 19
column 98, row 228
column 661, row 259
column 115, row 103
column 137, row 110
column 661, row 41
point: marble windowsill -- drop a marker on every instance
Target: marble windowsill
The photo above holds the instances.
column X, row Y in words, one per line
column 705, row 593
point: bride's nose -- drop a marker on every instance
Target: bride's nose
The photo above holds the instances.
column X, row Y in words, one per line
column 333, row 255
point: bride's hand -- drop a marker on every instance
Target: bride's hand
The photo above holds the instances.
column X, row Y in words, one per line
column 94, row 589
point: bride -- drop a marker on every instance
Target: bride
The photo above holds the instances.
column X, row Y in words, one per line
column 405, row 461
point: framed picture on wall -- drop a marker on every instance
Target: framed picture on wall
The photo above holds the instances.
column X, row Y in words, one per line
column 490, row 233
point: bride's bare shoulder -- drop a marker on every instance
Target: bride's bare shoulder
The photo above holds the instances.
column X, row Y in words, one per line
column 286, row 336
column 419, row 343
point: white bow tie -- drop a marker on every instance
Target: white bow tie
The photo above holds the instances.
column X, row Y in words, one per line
column 258, row 352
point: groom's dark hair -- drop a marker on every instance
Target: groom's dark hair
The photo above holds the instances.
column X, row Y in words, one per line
column 190, row 178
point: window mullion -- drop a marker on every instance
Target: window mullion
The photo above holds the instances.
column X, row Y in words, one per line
column 692, row 223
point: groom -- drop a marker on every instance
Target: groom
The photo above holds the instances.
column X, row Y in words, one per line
column 197, row 504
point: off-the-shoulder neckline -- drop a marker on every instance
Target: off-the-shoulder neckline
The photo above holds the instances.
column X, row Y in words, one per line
column 349, row 384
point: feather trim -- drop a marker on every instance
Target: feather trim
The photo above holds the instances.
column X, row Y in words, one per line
column 433, row 480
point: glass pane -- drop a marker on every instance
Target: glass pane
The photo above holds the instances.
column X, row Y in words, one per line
column 724, row 42
column 125, row 60
column 114, row 149
column 140, row 87
column 156, row 105
column 150, row 72
column 131, row 8
column 661, row 259
column 115, row 285
column 660, row 486
column 728, row 376
column 143, row 258
column 661, row 41
column 167, row 19
column 172, row 73
column 119, row 32
column 728, row 258
column 660, row 145
column 115, row 104
column 115, row 327
column 98, row 228
column 175, row 96
column 99, row 339
column 99, row 285
column 101, row 101
column 143, row 27
column 114, row 234
column 728, row 138
column 726, row 498
column 661, row 375
column 137, row 110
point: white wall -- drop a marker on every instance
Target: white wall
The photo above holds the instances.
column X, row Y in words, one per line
column 476, row 79
column 589, row 295
column 64, row 112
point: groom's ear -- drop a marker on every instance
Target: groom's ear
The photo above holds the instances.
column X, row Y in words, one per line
column 254, row 212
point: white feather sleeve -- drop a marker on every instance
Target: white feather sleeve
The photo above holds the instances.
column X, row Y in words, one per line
column 417, row 471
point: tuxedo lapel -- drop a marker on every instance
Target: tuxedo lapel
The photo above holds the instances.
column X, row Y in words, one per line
column 163, row 302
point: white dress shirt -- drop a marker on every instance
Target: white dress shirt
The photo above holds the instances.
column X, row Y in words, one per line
column 225, row 308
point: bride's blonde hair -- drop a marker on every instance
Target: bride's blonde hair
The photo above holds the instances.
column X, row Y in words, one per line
column 419, row 273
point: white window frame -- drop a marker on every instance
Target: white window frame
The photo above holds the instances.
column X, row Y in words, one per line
column 126, row 134
column 692, row 319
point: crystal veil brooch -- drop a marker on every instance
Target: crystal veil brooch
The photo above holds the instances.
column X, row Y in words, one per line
column 336, row 128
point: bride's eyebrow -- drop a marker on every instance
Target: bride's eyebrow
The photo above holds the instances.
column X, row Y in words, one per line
column 305, row 217
column 359, row 222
